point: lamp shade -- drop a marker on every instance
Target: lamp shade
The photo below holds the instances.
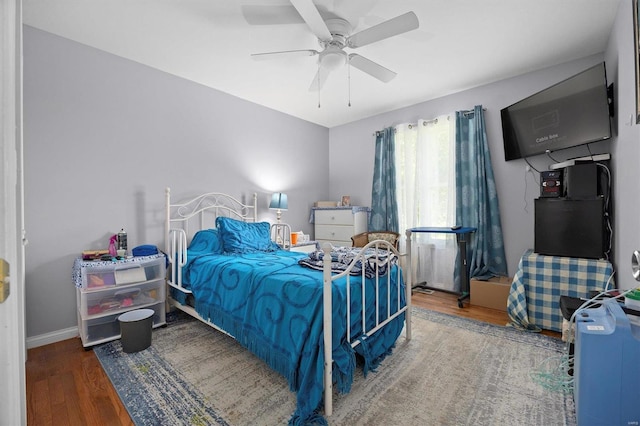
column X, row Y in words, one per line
column 279, row 201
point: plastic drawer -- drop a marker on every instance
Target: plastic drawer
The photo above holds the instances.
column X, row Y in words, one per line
column 120, row 299
column 98, row 277
column 105, row 328
column 119, row 273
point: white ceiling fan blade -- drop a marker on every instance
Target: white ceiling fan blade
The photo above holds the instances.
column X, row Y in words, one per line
column 271, row 15
column 398, row 25
column 283, row 53
column 375, row 70
column 318, row 81
column 418, row 35
column 312, row 17
column 352, row 10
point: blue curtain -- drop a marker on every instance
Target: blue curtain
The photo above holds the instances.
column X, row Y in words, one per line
column 384, row 207
column 477, row 198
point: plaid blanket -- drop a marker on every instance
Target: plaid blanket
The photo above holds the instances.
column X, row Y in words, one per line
column 534, row 300
column 342, row 257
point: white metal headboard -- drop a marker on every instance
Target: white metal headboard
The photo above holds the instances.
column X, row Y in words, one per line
column 184, row 219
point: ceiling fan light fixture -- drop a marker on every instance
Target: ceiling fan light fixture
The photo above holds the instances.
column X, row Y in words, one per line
column 335, row 34
column 332, row 59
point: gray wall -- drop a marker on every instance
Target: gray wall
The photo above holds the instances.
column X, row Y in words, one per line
column 351, row 148
column 517, row 188
column 104, row 136
column 101, row 132
column 625, row 149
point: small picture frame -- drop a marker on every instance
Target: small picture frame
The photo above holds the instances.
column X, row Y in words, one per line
column 346, row 200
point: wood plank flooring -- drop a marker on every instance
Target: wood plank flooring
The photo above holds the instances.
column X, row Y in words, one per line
column 67, row 386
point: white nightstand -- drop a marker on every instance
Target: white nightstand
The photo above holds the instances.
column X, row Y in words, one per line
column 337, row 225
column 306, row 247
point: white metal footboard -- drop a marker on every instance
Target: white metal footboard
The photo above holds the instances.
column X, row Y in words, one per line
column 381, row 248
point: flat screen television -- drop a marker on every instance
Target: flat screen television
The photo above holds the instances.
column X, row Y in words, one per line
column 571, row 113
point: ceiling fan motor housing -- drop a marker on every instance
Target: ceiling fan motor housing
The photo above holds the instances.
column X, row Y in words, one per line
column 340, row 29
column 332, row 55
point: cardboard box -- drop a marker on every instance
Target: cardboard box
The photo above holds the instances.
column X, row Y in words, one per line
column 491, row 294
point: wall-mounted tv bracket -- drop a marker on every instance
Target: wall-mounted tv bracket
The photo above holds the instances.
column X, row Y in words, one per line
column 610, row 99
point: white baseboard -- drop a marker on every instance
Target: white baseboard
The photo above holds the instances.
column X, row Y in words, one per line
column 53, row 337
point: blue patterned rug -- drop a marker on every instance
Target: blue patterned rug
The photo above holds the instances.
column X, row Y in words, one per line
column 454, row 371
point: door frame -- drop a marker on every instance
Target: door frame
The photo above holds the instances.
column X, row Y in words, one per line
column 12, row 310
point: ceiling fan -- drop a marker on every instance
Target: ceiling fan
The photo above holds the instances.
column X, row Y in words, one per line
column 334, row 35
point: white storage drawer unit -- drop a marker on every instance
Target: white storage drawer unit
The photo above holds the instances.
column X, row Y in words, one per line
column 105, row 290
column 104, row 274
column 338, row 225
column 104, row 328
column 120, row 298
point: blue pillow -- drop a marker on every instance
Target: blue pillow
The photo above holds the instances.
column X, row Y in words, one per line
column 206, row 241
column 244, row 237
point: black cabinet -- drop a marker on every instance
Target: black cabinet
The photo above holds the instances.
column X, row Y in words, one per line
column 570, row 227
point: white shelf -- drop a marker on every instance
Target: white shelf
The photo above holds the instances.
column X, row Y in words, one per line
column 573, row 161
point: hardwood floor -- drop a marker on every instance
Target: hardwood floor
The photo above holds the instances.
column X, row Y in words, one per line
column 67, row 386
column 447, row 303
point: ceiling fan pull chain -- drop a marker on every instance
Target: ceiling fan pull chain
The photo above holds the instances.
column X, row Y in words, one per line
column 318, row 84
column 349, row 81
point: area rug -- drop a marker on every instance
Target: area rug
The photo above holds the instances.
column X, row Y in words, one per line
column 454, row 371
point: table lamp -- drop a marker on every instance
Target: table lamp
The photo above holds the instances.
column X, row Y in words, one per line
column 278, row 203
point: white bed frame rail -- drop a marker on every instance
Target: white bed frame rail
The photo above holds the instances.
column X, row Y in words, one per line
column 179, row 216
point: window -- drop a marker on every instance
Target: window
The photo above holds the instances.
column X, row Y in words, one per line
column 426, row 194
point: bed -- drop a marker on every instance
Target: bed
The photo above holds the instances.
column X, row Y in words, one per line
column 309, row 316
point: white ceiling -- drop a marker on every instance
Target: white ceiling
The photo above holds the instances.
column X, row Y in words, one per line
column 460, row 44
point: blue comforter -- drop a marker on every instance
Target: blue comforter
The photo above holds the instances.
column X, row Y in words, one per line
column 273, row 306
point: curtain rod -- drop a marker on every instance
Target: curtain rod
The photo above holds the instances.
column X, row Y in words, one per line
column 469, row 111
column 435, row 120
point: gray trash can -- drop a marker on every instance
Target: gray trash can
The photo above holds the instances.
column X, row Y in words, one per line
column 135, row 329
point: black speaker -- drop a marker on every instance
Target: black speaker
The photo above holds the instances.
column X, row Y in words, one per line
column 581, row 181
column 551, row 183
